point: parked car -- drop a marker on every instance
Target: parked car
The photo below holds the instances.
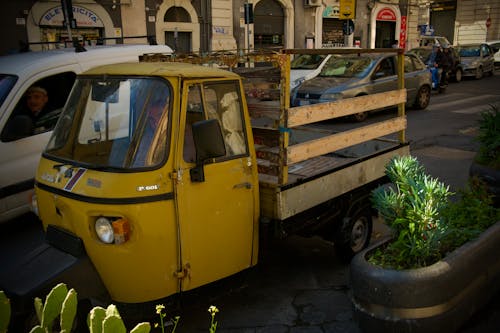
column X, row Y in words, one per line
column 456, row 70
column 477, row 59
column 306, row 66
column 434, row 40
column 364, row 74
column 495, row 45
column 22, row 142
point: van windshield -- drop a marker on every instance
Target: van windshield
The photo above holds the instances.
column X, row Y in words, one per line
column 114, row 122
column 6, row 83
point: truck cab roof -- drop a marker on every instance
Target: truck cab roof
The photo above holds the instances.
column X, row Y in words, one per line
column 167, row 69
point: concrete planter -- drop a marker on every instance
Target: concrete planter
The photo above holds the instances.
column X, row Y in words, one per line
column 437, row 298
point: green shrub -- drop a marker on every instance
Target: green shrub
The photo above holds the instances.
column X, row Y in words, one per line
column 489, row 138
column 4, row 312
column 425, row 222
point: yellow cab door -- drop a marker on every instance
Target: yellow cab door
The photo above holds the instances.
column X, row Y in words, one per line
column 217, row 217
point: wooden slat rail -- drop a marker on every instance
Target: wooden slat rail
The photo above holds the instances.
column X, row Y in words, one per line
column 331, row 143
column 307, row 114
column 258, row 110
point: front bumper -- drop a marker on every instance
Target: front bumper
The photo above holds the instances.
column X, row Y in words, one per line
column 60, row 259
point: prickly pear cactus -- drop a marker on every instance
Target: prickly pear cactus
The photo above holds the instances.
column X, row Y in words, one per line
column 141, row 328
column 109, row 321
column 68, row 311
column 95, row 319
column 53, row 305
column 59, row 303
column 4, row 312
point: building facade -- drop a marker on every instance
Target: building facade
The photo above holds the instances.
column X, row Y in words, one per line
column 211, row 25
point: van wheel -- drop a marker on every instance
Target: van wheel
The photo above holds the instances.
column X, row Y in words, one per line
column 423, row 97
column 458, row 75
column 479, row 73
column 353, row 234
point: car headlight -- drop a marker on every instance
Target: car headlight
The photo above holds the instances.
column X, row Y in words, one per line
column 112, row 230
column 332, row 96
column 104, row 230
column 298, row 82
column 474, row 64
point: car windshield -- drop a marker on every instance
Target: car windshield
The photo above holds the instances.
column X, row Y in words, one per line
column 356, row 66
column 469, row 51
column 114, row 122
column 6, row 83
column 307, row 61
column 423, row 54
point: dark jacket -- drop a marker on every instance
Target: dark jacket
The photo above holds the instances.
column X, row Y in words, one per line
column 444, row 59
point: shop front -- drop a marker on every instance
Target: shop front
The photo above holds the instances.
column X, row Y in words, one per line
column 46, row 30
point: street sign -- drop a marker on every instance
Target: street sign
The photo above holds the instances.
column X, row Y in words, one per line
column 347, row 9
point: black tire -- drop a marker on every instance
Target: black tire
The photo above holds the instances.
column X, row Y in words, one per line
column 479, row 73
column 458, row 75
column 423, row 98
column 353, row 234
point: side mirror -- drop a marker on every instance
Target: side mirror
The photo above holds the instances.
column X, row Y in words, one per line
column 18, row 127
column 209, row 143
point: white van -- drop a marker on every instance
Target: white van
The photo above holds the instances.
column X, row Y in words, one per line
column 55, row 71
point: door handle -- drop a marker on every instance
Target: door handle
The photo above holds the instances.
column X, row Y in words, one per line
column 246, row 185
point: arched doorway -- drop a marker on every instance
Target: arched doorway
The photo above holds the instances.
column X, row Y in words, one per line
column 386, row 25
column 269, row 25
column 178, row 21
column 180, row 41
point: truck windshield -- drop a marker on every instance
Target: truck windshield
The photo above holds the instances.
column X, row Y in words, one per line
column 114, row 122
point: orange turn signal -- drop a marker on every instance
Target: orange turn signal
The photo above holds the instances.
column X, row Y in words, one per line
column 121, row 229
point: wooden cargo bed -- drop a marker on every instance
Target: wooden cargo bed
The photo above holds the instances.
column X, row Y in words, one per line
column 301, row 166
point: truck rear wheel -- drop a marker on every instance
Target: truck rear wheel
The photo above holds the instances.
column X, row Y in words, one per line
column 353, row 234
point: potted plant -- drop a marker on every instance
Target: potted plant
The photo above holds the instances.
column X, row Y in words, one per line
column 441, row 263
column 486, row 164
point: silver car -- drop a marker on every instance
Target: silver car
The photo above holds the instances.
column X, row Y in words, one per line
column 364, row 74
column 477, row 59
column 495, row 45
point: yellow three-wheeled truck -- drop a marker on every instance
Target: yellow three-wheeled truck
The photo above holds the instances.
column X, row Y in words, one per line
column 160, row 174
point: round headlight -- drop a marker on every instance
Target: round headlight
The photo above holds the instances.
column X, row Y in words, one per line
column 104, row 230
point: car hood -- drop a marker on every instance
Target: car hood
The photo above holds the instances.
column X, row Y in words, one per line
column 299, row 74
column 469, row 60
column 323, row 84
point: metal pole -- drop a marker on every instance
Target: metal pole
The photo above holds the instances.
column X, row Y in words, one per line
column 248, row 27
column 66, row 19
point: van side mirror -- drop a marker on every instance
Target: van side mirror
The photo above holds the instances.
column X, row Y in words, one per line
column 18, row 127
column 209, row 143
